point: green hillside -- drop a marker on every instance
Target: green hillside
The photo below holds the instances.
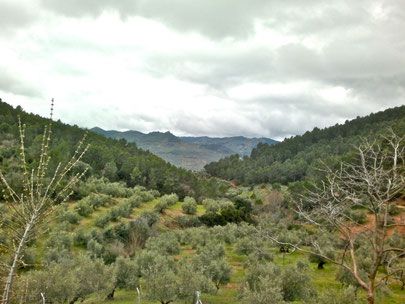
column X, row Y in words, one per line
column 116, row 160
column 297, row 157
column 136, row 223
column 187, row 152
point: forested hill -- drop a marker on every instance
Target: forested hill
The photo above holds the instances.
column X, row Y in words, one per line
column 116, row 160
column 188, row 152
column 296, row 158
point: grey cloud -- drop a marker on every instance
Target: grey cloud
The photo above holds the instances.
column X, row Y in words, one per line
column 14, row 84
column 15, row 15
column 350, row 48
column 215, row 19
column 227, row 18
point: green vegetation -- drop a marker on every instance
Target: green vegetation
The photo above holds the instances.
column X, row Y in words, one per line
column 117, row 160
column 298, row 157
column 136, row 227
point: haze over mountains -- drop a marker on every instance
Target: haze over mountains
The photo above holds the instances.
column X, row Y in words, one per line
column 188, row 152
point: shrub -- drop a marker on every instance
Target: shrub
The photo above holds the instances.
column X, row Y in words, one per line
column 98, row 199
column 166, row 243
column 84, row 208
column 81, row 238
column 114, row 214
column 140, row 232
column 102, row 185
column 150, row 217
column 125, row 209
column 95, row 249
column 245, row 246
column 169, row 199
column 69, row 216
column 82, row 276
column 161, row 206
column 211, row 206
column 189, row 207
column 134, row 201
column 394, row 210
column 359, row 216
column 189, row 199
column 148, row 196
column 188, row 221
column 103, row 220
column 331, row 296
column 296, row 285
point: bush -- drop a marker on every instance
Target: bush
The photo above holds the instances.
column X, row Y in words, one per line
column 358, row 216
column 188, row 221
column 331, row 296
column 166, row 244
column 81, row 238
column 245, row 246
column 189, row 199
column 296, row 285
column 95, row 249
column 69, row 216
column 150, row 217
column 148, row 196
column 103, row 220
column 98, row 199
column 161, row 206
column 94, row 185
column 82, row 276
column 83, row 208
column 211, row 206
column 169, row 199
column 189, row 207
column 393, row 210
column 114, row 214
column 134, row 201
column 125, row 209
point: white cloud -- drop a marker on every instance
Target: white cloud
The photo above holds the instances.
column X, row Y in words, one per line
column 255, row 68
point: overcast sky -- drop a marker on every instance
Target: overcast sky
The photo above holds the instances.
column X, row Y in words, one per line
column 203, row 67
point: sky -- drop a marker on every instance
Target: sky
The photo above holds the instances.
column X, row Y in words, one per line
column 203, row 67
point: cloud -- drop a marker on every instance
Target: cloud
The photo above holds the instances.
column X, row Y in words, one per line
column 15, row 14
column 225, row 67
column 217, row 19
column 14, row 84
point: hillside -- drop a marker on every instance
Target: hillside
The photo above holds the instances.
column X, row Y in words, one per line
column 297, row 158
column 114, row 236
column 188, row 152
column 115, row 160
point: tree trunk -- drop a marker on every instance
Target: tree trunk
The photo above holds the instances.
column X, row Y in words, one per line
column 110, row 296
column 370, row 297
column 320, row 264
column 74, row 300
column 17, row 255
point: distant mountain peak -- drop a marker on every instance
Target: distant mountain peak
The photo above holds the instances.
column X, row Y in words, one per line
column 188, row 151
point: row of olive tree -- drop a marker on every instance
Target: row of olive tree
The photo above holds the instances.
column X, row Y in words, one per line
column 371, row 182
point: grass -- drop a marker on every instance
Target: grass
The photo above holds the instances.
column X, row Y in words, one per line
column 323, row 280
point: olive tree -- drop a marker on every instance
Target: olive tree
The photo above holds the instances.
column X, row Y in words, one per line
column 125, row 275
column 166, row 280
column 371, row 182
column 40, row 191
column 66, row 281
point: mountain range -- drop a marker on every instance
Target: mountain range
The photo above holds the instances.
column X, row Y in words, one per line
column 188, row 152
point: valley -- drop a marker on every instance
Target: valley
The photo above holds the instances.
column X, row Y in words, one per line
column 253, row 230
column 191, row 153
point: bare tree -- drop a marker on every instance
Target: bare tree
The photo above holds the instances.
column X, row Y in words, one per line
column 41, row 190
column 372, row 183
